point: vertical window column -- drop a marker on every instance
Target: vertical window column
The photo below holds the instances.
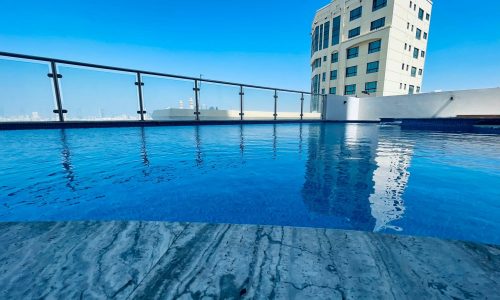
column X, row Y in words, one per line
column 316, row 39
column 336, row 31
column 326, row 35
column 320, row 37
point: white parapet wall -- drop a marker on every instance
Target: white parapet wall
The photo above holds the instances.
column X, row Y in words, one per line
column 176, row 114
column 484, row 102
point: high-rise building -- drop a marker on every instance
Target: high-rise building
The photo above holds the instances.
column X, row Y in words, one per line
column 369, row 47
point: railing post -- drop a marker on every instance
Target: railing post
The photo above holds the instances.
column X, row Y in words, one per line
column 140, row 84
column 323, row 107
column 196, row 90
column 241, row 103
column 55, row 81
column 275, row 105
column 302, row 107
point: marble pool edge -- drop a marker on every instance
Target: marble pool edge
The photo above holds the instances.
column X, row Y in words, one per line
column 163, row 260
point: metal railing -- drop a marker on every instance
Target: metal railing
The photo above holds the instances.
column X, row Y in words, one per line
column 60, row 110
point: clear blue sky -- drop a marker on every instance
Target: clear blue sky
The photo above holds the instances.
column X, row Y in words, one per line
column 259, row 41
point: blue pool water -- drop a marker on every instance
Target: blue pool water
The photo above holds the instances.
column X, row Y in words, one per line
column 351, row 176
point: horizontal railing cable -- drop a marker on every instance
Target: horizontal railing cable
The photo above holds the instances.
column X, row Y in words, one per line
column 135, row 71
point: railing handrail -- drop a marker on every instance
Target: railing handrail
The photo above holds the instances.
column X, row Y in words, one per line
column 135, row 71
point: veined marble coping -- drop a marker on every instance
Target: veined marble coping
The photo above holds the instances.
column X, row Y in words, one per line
column 158, row 260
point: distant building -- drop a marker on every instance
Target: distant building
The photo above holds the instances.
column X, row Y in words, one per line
column 369, row 47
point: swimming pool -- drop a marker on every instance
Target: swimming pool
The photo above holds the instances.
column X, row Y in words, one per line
column 366, row 177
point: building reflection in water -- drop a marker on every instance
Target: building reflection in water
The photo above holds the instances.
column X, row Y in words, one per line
column 391, row 177
column 351, row 175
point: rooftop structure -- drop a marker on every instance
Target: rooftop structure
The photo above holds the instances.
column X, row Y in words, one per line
column 369, row 48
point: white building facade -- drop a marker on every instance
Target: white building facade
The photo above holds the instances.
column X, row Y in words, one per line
column 368, row 48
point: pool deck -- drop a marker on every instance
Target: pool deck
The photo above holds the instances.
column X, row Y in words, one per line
column 157, row 260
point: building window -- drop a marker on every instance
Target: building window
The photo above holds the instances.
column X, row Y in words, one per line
column 378, row 4
column 418, row 89
column 406, row 46
column 425, row 35
column 421, row 14
column 351, row 71
column 352, row 52
column 350, row 89
column 427, row 17
column 333, row 91
column 336, row 31
column 374, row 46
column 354, row 32
column 323, row 77
column 407, row 67
column 411, row 90
column 333, row 75
column 412, row 28
column 372, row 67
column 418, row 35
column 415, row 52
column 324, row 58
column 335, row 57
column 371, row 87
column 377, row 24
column 322, row 91
column 408, row 25
column 420, row 72
column 409, row 48
column 411, row 4
column 326, row 36
column 315, row 39
column 400, row 85
column 315, row 84
column 403, row 67
column 422, row 53
column 413, row 72
column 356, row 13
column 405, row 87
column 317, row 63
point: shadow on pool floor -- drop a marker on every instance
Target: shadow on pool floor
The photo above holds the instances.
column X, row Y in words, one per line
column 157, row 260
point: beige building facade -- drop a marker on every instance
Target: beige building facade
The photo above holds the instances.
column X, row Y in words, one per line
column 369, row 48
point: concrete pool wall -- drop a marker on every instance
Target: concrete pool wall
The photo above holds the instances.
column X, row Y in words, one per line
column 484, row 102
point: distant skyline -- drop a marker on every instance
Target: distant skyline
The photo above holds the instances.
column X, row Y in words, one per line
column 255, row 42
